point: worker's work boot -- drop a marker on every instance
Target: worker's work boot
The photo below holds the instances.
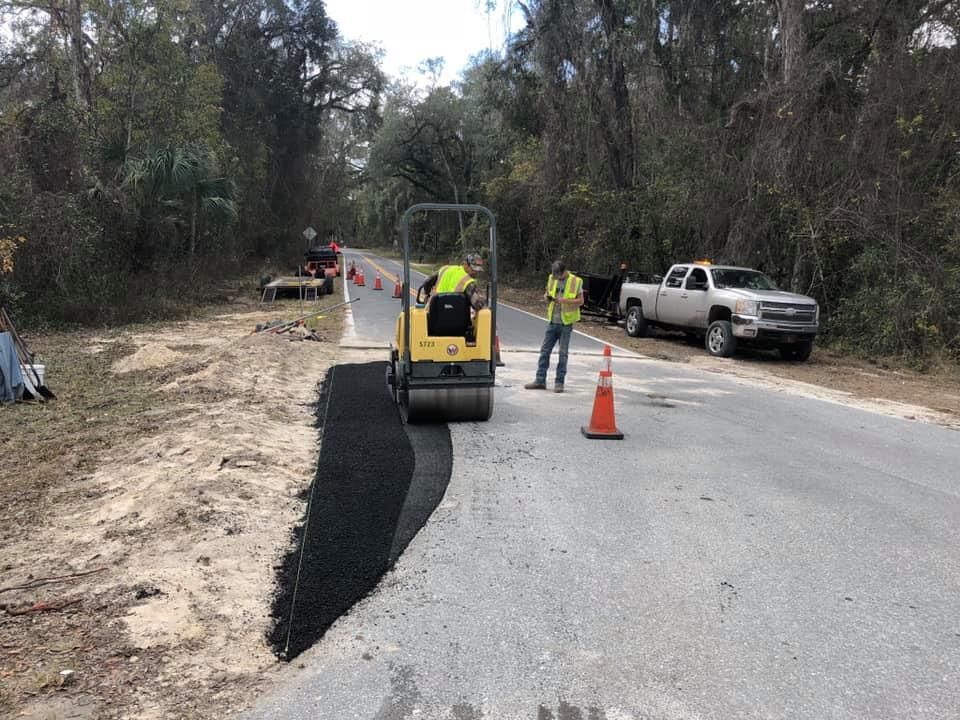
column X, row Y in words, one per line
column 535, row 385
column 558, row 387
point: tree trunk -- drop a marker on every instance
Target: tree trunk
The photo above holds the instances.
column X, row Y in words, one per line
column 81, row 73
column 619, row 127
column 131, row 107
column 193, row 227
column 790, row 18
column 456, row 193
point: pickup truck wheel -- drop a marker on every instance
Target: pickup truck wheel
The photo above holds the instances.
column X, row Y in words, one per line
column 636, row 324
column 720, row 341
column 799, row 351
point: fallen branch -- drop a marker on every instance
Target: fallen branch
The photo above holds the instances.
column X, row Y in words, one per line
column 291, row 324
column 50, row 580
column 41, row 607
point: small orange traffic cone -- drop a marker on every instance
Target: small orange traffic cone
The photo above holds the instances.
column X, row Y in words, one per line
column 377, row 284
column 397, row 289
column 500, row 362
column 360, row 280
column 603, row 424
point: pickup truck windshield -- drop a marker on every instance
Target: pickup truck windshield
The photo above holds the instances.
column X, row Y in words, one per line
column 746, row 279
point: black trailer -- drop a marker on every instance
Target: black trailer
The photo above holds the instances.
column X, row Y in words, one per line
column 602, row 294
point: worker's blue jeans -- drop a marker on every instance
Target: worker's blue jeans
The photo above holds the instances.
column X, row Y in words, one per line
column 555, row 332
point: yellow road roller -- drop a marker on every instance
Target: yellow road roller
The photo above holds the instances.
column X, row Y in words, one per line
column 442, row 360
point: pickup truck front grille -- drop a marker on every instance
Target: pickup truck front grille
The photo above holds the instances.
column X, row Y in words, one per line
column 788, row 313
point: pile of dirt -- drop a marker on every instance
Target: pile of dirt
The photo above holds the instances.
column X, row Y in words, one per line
column 148, row 356
column 228, row 367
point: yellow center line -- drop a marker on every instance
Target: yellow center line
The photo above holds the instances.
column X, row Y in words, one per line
column 386, row 273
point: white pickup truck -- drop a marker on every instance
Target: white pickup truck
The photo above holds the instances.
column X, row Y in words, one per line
column 726, row 305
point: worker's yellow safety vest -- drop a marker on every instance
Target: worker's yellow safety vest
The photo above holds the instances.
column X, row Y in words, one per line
column 573, row 289
column 453, row 278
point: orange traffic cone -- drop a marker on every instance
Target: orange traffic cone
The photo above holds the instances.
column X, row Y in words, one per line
column 377, row 284
column 500, row 362
column 603, row 424
column 397, row 289
column 360, row 280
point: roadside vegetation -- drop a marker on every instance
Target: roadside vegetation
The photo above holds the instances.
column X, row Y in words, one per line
column 147, row 150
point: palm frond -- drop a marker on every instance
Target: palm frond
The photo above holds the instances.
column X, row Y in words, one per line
column 222, row 211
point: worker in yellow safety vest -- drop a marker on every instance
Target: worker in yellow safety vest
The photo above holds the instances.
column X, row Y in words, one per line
column 564, row 296
column 458, row 278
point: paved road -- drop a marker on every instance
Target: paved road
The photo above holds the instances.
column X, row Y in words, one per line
column 743, row 553
column 375, row 313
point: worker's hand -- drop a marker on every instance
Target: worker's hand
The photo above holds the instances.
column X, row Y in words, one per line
column 548, row 297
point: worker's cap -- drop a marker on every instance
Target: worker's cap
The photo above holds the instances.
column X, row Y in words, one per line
column 474, row 261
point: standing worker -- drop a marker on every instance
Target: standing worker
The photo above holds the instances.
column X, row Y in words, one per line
column 564, row 296
column 457, row 278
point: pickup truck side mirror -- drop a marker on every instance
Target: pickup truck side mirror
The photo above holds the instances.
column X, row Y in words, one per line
column 657, row 279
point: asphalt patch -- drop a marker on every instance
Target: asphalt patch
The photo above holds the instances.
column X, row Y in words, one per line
column 377, row 483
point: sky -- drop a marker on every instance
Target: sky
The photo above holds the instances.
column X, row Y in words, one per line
column 411, row 31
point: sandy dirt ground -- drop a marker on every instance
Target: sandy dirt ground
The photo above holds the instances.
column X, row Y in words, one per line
column 165, row 481
column 144, row 513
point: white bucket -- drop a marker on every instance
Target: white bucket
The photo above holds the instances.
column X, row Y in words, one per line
column 29, row 381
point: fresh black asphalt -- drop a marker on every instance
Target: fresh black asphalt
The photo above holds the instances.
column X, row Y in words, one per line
column 377, row 483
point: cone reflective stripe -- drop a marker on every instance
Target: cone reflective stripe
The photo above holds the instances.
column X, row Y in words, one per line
column 607, row 366
column 360, row 281
column 603, row 424
column 397, row 289
column 500, row 363
column 377, row 284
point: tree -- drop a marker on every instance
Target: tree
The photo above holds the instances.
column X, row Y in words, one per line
column 142, row 130
column 430, row 142
column 180, row 186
